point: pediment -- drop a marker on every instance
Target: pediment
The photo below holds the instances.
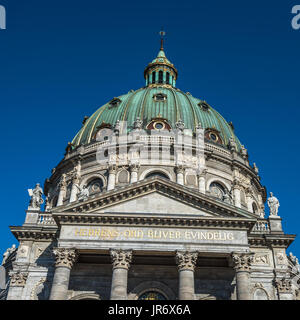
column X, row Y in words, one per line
column 156, row 196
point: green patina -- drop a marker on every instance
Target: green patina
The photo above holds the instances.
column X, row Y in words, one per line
column 140, row 103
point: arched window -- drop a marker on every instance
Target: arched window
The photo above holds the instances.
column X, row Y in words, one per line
column 152, row 295
column 153, row 77
column 168, row 78
column 95, row 186
column 160, row 77
column 217, row 190
column 254, row 208
column 157, row 174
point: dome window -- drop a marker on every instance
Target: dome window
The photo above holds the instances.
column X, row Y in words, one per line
column 204, row 106
column 114, row 102
column 167, row 78
column 160, row 77
column 159, row 125
column 213, row 135
column 153, row 77
column 217, row 190
column 160, row 97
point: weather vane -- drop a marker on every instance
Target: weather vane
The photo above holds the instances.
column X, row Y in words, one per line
column 162, row 34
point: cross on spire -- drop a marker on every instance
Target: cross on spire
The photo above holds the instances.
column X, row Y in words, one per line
column 162, row 34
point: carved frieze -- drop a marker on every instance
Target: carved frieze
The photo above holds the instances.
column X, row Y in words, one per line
column 261, row 259
column 18, row 279
column 283, row 285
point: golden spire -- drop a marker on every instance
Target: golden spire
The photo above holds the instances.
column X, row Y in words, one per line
column 162, row 34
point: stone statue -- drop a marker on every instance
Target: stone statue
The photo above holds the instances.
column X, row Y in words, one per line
column 273, row 204
column 47, row 203
column 83, row 194
column 138, row 123
column 255, row 168
column 8, row 253
column 179, row 125
column 232, row 144
column 117, row 126
column 295, row 261
column 36, row 197
column 244, row 152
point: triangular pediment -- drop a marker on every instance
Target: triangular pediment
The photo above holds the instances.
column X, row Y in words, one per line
column 156, row 196
column 154, row 203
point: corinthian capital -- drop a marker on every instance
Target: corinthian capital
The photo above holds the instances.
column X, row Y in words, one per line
column 283, row 285
column 242, row 261
column 18, row 279
column 186, row 260
column 121, row 258
column 65, row 257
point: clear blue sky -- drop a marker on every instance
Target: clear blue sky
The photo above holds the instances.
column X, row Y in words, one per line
column 61, row 60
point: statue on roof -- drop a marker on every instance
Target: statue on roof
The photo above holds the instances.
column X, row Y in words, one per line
column 36, row 197
column 273, row 204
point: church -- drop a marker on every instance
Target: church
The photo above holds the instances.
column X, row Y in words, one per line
column 155, row 199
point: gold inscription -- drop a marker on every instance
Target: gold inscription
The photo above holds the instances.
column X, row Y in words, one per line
column 113, row 233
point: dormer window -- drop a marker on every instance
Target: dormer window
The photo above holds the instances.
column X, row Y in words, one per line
column 114, row 102
column 160, row 97
column 213, row 135
column 203, row 105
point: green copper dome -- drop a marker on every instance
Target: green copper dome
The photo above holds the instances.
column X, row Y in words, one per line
column 143, row 103
column 159, row 100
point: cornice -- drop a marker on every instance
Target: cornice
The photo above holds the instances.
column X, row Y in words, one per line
column 34, row 233
column 69, row 218
column 269, row 240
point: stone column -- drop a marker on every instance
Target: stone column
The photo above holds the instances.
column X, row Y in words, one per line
column 186, row 262
column 237, row 193
column 284, row 288
column 201, row 182
column 180, row 172
column 249, row 200
column 74, row 190
column 65, row 259
column 16, row 286
column 121, row 260
column 112, row 177
column 134, row 173
column 62, row 190
column 242, row 263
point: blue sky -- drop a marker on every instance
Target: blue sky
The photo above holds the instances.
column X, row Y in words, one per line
column 61, row 60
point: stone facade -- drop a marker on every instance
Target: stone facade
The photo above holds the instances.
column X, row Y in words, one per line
column 186, row 225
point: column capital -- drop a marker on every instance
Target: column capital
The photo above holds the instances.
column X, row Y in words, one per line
column 18, row 279
column 242, row 261
column 236, row 183
column 65, row 257
column 186, row 260
column 180, row 168
column 112, row 168
column 283, row 285
column 134, row 167
column 121, row 258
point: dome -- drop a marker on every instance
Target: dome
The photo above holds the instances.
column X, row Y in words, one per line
column 152, row 102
